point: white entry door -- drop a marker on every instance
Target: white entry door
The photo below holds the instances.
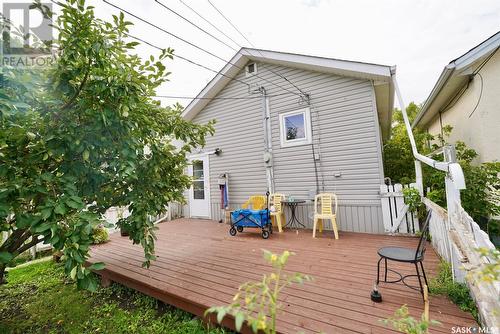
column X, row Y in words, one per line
column 199, row 196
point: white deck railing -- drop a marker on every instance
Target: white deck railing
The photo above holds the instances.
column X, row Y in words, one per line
column 457, row 240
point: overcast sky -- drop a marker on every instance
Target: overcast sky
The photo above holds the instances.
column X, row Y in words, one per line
column 419, row 37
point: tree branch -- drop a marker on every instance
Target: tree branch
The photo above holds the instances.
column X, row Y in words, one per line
column 30, row 244
column 19, row 241
column 15, row 235
column 79, row 90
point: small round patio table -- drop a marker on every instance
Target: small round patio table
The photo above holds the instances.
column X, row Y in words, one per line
column 293, row 222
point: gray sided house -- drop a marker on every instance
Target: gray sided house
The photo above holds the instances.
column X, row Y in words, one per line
column 297, row 125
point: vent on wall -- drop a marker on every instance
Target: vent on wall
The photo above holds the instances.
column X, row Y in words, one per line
column 251, row 69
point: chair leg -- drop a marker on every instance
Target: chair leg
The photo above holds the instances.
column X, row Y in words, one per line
column 385, row 273
column 320, row 224
column 278, row 222
column 419, row 280
column 314, row 226
column 378, row 271
column 335, row 230
column 423, row 272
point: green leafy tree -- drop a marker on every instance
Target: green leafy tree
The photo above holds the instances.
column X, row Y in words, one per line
column 398, row 155
column 481, row 198
column 86, row 135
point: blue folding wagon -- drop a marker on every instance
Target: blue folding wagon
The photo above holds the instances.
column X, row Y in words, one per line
column 248, row 218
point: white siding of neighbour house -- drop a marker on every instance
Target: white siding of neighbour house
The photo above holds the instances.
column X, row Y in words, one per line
column 345, row 134
column 480, row 130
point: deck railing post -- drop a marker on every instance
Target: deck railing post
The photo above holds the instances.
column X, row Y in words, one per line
column 452, row 197
column 418, row 177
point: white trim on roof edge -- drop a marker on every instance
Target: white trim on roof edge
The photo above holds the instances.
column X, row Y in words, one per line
column 459, row 69
column 377, row 73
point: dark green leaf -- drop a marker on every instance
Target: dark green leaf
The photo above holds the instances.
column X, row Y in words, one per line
column 97, row 266
column 5, row 257
column 60, row 209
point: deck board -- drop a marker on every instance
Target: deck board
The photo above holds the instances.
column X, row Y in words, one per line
column 199, row 265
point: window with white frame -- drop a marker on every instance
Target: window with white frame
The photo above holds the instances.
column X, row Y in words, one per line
column 295, row 128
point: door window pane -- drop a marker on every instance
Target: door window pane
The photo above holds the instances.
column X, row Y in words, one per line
column 198, row 189
column 295, row 127
column 198, row 169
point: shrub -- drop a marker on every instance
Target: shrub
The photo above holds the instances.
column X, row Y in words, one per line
column 257, row 302
column 403, row 322
column 490, row 271
column 481, row 198
column 100, row 235
column 414, row 201
column 458, row 293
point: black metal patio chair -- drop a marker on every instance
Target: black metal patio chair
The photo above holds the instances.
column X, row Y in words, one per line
column 406, row 255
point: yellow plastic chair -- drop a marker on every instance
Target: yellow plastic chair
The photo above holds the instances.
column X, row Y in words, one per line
column 326, row 202
column 255, row 202
column 278, row 215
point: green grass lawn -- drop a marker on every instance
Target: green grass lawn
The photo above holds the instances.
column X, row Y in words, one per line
column 40, row 299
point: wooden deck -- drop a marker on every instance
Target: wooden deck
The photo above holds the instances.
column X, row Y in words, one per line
column 200, row 265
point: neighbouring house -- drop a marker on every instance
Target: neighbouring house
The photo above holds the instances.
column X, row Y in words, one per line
column 467, row 97
column 298, row 125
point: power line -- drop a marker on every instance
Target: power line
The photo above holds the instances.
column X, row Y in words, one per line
column 210, row 23
column 189, row 60
column 217, row 98
column 180, row 57
column 175, row 54
column 165, row 31
column 231, row 23
column 194, row 25
column 251, row 44
column 190, row 43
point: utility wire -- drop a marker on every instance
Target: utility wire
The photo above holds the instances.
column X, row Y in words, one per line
column 165, row 31
column 175, row 54
column 194, row 63
column 210, row 23
column 251, row 44
column 231, row 23
column 179, row 56
column 216, row 98
column 476, row 72
column 480, row 94
column 194, row 25
column 188, row 60
column 190, row 43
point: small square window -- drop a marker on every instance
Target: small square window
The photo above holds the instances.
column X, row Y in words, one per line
column 251, row 69
column 295, row 128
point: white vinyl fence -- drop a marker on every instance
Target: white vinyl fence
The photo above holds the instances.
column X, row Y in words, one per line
column 173, row 211
column 397, row 219
column 111, row 216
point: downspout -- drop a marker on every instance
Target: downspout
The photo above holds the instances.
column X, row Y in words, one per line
column 454, row 180
column 442, row 166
